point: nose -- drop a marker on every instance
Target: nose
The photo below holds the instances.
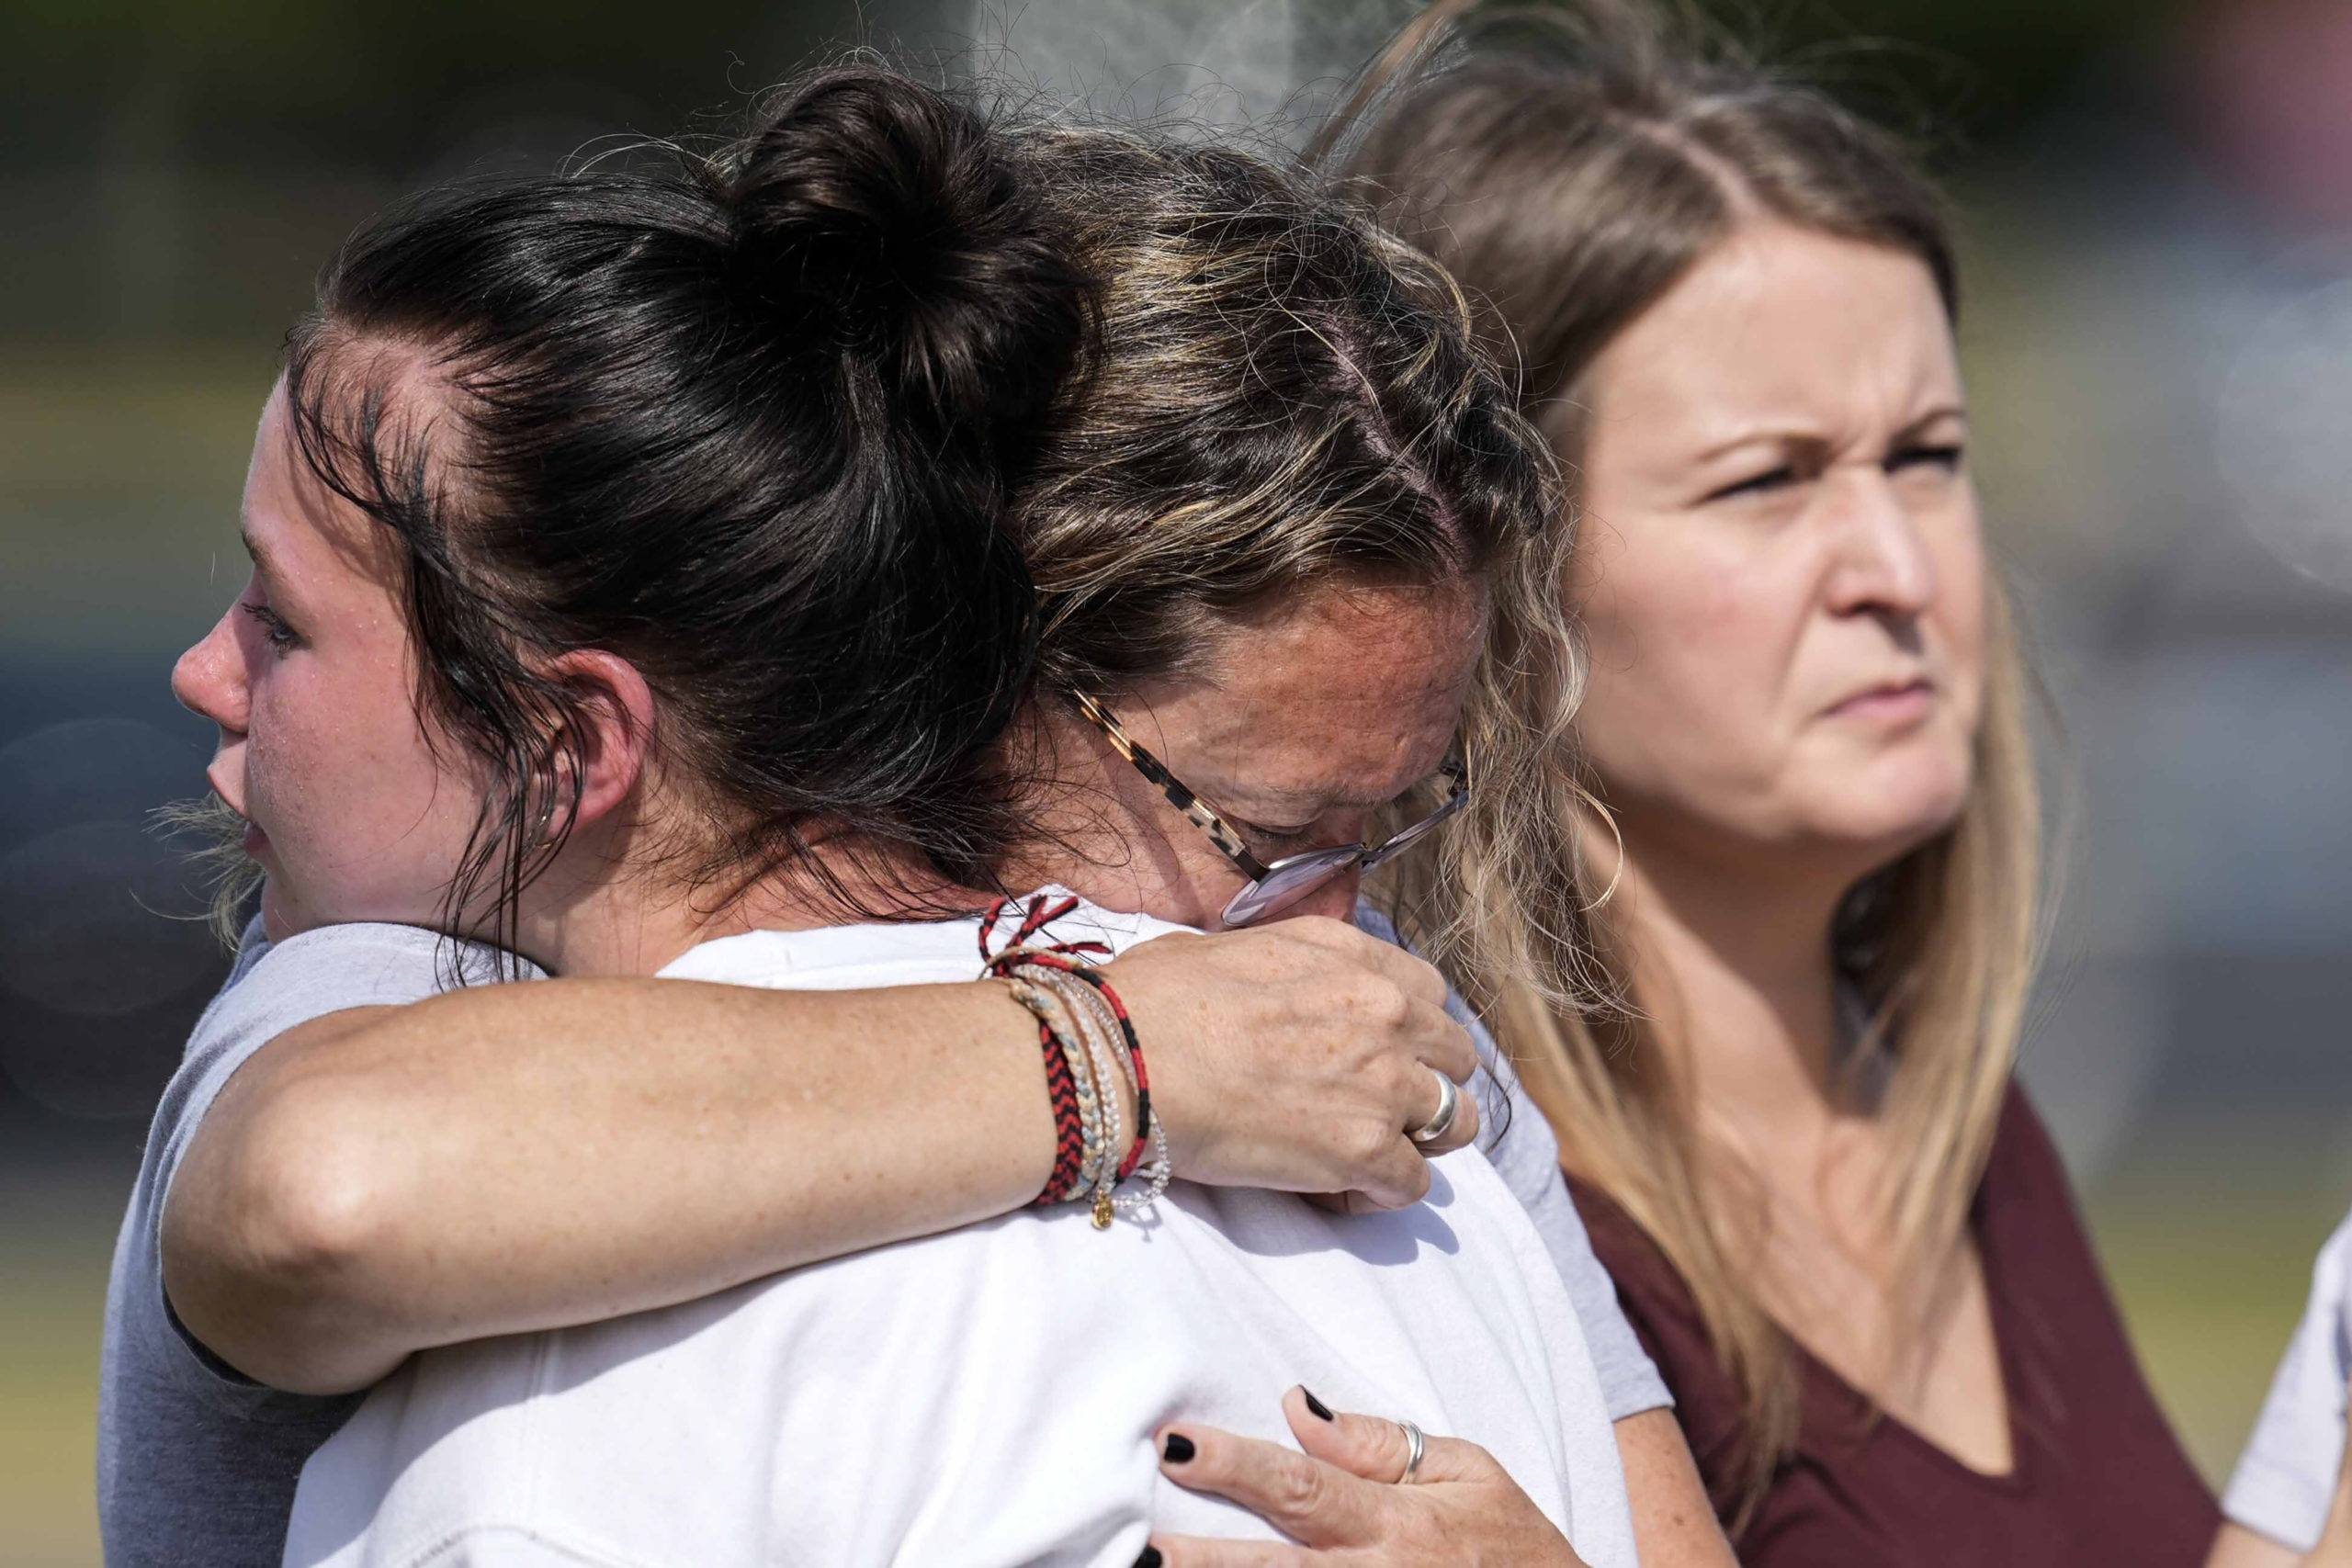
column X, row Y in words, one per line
column 209, row 679
column 1882, row 564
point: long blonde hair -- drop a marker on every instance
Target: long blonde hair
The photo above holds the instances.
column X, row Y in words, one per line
column 1569, row 164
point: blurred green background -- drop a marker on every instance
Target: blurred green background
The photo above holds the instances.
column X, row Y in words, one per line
column 2157, row 197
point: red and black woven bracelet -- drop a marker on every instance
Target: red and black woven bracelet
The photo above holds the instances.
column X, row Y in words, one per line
column 1063, row 956
column 1069, row 1132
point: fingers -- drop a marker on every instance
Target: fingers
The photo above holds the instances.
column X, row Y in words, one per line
column 1397, row 1177
column 1458, row 1132
column 1375, row 1449
column 1311, row 1502
column 1359, row 1444
column 1442, row 1044
column 1364, row 1446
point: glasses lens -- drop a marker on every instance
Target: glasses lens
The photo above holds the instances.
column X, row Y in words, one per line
column 1289, row 882
column 1416, row 832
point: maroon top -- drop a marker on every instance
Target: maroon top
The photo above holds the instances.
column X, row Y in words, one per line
column 2098, row 1477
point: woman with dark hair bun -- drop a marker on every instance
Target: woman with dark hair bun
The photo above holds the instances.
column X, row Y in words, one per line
column 632, row 567
column 1269, row 521
column 788, row 570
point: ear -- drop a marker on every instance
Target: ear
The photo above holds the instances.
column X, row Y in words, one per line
column 615, row 712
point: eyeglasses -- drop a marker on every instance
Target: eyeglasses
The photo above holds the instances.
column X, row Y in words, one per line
column 1275, row 887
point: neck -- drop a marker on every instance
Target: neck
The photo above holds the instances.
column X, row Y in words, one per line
column 607, row 907
column 1734, row 967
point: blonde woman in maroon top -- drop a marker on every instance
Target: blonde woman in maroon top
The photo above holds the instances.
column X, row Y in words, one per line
column 1835, row 1223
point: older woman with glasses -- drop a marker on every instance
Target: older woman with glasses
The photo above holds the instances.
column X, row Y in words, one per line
column 1272, row 524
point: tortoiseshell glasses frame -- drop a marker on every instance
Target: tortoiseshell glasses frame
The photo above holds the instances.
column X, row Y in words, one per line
column 1272, row 888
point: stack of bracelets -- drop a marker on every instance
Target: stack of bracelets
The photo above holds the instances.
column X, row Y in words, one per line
column 1091, row 1050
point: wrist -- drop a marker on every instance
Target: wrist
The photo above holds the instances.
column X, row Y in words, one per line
column 1160, row 1024
column 1096, row 1079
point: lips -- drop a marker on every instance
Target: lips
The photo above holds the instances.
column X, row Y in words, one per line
column 219, row 777
column 1889, row 702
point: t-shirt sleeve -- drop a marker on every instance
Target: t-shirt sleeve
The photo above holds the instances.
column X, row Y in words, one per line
column 1519, row 1144
column 1524, row 1151
column 1667, row 1325
column 274, row 988
column 2286, row 1479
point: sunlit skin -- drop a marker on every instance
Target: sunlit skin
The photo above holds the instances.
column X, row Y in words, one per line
column 1783, row 577
column 1782, row 570
column 1301, row 724
column 311, row 677
column 312, row 1241
column 1298, row 727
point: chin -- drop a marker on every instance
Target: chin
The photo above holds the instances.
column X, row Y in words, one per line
column 1887, row 810
column 1888, row 827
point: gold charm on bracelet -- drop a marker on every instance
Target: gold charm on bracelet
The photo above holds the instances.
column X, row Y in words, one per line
column 1102, row 1209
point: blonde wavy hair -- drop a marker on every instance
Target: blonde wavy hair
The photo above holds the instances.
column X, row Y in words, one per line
column 1569, row 163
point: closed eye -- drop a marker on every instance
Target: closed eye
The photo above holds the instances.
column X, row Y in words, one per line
column 1946, row 457
column 1278, row 837
column 1759, row 484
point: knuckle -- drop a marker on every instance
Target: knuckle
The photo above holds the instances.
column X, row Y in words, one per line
column 1372, row 1145
column 1424, row 976
column 1296, row 1490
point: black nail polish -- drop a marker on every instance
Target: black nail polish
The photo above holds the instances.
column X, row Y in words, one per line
column 1150, row 1558
column 1322, row 1411
column 1180, row 1450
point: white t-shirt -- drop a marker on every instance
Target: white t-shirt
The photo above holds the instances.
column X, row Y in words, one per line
column 988, row 1396
column 2286, row 1478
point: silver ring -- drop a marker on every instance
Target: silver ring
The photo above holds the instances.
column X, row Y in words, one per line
column 1415, row 1446
column 1441, row 1122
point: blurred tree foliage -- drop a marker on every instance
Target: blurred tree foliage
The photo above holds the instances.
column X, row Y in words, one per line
column 174, row 170
column 1979, row 70
column 355, row 80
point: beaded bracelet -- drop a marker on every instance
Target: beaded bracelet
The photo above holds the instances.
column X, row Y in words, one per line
column 1102, row 1057
column 1071, row 1012
column 1090, row 1042
column 1086, row 1129
column 1100, row 1014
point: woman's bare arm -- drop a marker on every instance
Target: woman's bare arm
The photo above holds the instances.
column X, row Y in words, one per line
column 1674, row 1523
column 514, row 1157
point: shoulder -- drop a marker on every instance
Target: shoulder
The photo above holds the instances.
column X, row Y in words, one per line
column 1615, row 1233
column 2025, row 1208
column 278, row 986
column 1524, row 1149
column 1656, row 1301
column 2022, row 1148
column 1667, row 1321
